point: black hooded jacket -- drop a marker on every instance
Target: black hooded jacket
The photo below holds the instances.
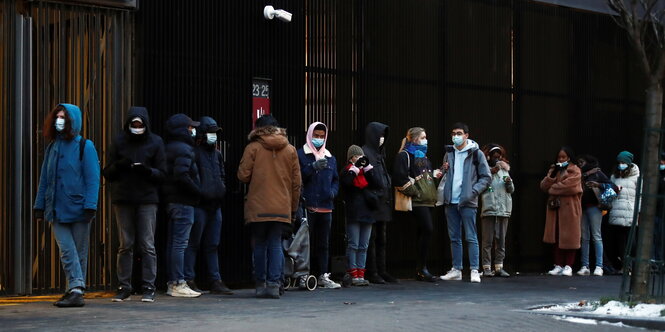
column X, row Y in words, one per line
column 182, row 183
column 130, row 184
column 591, row 172
column 211, row 167
column 377, row 157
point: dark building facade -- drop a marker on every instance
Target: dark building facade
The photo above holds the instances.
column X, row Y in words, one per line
column 527, row 75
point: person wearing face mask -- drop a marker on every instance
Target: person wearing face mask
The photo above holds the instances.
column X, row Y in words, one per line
column 207, row 228
column 375, row 136
column 357, row 178
column 320, row 182
column 181, row 191
column 468, row 176
column 67, row 195
column 411, row 163
column 626, row 177
column 135, row 170
column 593, row 180
column 563, row 184
column 497, row 206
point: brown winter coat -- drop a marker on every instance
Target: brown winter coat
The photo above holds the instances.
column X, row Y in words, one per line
column 568, row 187
column 270, row 166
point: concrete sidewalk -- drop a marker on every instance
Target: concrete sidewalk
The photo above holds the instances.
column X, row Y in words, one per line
column 493, row 305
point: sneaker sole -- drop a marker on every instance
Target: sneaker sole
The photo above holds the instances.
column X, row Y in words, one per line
column 185, row 295
column 454, row 279
column 120, row 300
column 148, row 300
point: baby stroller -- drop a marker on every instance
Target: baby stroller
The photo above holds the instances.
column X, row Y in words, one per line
column 296, row 255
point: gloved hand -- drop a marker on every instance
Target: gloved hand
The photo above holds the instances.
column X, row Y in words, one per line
column 39, row 215
column 123, row 164
column 142, row 169
column 89, row 215
column 320, row 164
column 362, row 162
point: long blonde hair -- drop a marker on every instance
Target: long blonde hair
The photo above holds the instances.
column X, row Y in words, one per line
column 411, row 135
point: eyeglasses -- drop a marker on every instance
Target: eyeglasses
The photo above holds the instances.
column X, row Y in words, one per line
column 457, row 133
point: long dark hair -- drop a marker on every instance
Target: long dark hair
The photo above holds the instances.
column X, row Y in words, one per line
column 50, row 133
column 569, row 152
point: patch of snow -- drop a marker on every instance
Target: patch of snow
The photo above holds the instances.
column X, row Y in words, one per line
column 560, row 307
column 577, row 320
column 617, row 308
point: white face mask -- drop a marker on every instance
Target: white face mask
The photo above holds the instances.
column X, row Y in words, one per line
column 137, row 131
column 423, row 142
column 381, row 140
column 59, row 124
column 211, row 138
column 193, row 132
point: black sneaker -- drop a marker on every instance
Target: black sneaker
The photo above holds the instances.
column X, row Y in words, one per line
column 192, row 286
column 148, row 295
column 218, row 287
column 71, row 299
column 123, row 294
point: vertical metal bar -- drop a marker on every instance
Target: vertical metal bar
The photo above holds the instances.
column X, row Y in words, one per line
column 19, row 55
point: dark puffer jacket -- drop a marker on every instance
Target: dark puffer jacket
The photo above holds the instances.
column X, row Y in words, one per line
column 591, row 173
column 358, row 202
column 210, row 163
column 182, row 183
column 132, row 185
column 377, row 157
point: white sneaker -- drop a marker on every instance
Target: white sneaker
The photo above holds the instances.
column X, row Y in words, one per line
column 567, row 271
column 183, row 290
column 325, row 282
column 475, row 276
column 556, row 271
column 598, row 271
column 584, row 271
column 169, row 289
column 453, row 274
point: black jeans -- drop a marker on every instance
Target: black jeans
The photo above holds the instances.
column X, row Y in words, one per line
column 423, row 219
column 136, row 223
column 319, row 232
column 376, row 253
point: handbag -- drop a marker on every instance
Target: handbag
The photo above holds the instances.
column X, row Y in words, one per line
column 553, row 203
column 402, row 201
column 605, row 195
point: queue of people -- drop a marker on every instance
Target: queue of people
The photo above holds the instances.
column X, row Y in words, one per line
column 186, row 172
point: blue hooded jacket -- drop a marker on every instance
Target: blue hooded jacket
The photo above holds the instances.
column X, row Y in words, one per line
column 68, row 186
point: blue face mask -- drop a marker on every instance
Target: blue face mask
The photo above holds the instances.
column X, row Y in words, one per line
column 318, row 142
column 661, row 167
column 458, row 140
column 563, row 164
column 622, row 167
column 423, row 142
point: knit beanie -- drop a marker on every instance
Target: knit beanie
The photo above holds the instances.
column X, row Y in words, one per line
column 354, row 150
column 625, row 157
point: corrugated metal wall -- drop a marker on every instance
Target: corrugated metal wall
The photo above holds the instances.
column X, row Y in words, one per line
column 529, row 76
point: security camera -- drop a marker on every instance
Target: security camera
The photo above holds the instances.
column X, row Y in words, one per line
column 269, row 12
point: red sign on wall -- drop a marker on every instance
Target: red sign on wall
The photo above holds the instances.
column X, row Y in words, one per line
column 260, row 98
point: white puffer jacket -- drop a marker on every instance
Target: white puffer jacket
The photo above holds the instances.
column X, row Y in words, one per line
column 624, row 205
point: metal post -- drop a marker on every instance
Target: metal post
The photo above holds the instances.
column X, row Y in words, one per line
column 19, row 270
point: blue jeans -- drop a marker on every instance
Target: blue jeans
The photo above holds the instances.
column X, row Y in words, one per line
column 206, row 231
column 592, row 217
column 357, row 234
column 181, row 218
column 136, row 223
column 268, row 255
column 73, row 240
column 458, row 218
column 319, row 231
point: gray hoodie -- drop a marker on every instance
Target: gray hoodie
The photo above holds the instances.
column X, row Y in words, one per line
column 476, row 177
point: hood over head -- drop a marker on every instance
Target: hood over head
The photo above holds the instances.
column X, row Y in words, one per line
column 76, row 117
column 137, row 112
column 309, row 147
column 373, row 132
column 176, row 127
column 207, row 125
column 270, row 137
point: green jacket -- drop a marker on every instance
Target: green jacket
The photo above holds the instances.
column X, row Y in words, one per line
column 496, row 199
